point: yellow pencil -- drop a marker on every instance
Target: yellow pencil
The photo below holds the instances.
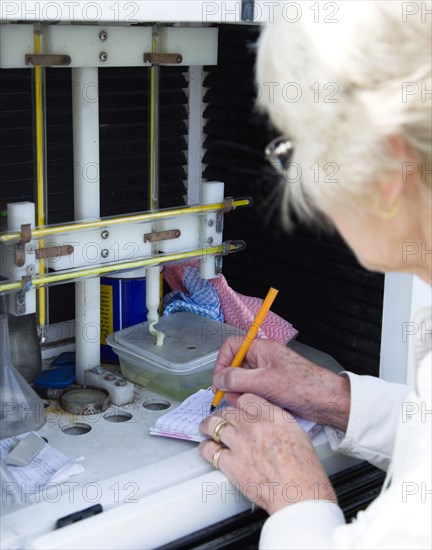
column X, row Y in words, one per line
column 249, row 338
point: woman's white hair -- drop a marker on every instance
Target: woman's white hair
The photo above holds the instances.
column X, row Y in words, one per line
column 341, row 90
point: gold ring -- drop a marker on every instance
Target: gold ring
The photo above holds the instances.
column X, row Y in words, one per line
column 216, row 456
column 217, row 432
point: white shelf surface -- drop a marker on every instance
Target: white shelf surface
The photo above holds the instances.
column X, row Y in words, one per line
column 153, row 490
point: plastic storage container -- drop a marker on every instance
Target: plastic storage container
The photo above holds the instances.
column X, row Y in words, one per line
column 22, row 410
column 183, row 364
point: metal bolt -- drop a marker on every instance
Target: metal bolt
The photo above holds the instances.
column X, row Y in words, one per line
column 121, row 383
column 210, row 240
column 109, row 377
column 219, row 222
column 210, row 223
column 218, row 265
column 105, row 253
column 30, row 270
column 103, row 56
column 105, row 234
column 98, row 370
column 103, row 35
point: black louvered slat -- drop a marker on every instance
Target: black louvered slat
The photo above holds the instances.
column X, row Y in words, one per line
column 334, row 302
column 124, row 131
column 16, row 138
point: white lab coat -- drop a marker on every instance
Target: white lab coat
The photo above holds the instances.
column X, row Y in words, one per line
column 390, row 426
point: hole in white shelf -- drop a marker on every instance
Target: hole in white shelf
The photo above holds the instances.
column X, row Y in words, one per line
column 117, row 416
column 79, row 428
column 156, row 404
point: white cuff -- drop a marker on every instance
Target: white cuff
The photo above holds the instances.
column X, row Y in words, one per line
column 308, row 524
column 374, row 412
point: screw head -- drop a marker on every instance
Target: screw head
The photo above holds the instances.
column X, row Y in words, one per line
column 210, row 223
column 103, row 56
column 210, row 240
column 98, row 370
column 105, row 234
column 218, row 265
column 103, row 35
column 105, row 253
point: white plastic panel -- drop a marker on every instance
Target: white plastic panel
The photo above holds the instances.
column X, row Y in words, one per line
column 124, row 243
column 404, row 296
column 124, row 46
column 189, row 239
column 122, row 11
column 19, row 213
column 15, row 42
column 210, row 232
column 197, row 46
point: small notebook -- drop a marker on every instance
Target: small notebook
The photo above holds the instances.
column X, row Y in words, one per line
column 183, row 421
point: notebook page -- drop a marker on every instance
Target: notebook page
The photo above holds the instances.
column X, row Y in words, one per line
column 183, row 422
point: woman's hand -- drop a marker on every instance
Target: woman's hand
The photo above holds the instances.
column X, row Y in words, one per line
column 268, row 455
column 284, row 378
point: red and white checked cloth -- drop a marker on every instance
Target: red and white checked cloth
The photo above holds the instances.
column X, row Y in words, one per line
column 239, row 310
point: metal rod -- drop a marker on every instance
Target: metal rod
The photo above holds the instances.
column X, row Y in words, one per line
column 146, row 217
column 41, row 182
column 95, row 271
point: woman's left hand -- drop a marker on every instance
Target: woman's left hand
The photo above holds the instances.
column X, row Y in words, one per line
column 267, row 455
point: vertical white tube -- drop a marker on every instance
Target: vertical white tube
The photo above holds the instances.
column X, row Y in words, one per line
column 152, row 301
column 85, row 97
column 195, row 137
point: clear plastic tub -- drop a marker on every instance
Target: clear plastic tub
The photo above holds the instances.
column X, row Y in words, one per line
column 183, row 364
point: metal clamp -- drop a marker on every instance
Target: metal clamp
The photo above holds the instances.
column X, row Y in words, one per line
column 163, row 58
column 47, row 60
column 54, row 252
column 219, row 222
column 20, row 299
column 230, row 247
column 26, row 233
column 20, row 249
column 162, row 235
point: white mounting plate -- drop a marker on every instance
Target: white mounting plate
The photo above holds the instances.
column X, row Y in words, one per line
column 125, row 45
column 124, row 243
column 122, row 11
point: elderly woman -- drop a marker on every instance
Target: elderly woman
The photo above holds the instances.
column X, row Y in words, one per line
column 369, row 133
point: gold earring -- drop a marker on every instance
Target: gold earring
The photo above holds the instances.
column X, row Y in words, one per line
column 386, row 214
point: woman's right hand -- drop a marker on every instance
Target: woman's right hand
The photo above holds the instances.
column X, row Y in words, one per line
column 286, row 379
